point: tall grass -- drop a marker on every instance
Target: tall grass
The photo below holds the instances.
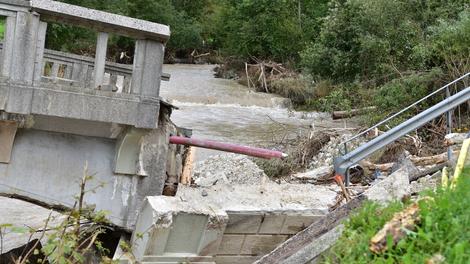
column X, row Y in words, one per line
column 443, row 232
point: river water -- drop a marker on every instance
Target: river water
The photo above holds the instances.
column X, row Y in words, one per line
column 223, row 110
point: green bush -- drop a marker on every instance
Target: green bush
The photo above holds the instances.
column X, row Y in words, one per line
column 399, row 93
column 298, row 89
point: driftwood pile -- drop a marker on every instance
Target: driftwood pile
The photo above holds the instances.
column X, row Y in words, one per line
column 259, row 74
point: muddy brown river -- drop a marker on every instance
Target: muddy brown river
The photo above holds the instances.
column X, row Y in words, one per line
column 223, row 110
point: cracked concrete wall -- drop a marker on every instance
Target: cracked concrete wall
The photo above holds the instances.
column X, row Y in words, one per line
column 47, row 166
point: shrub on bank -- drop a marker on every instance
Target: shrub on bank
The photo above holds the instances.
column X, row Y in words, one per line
column 442, row 232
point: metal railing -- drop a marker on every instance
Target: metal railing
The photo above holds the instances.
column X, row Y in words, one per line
column 386, row 120
column 446, row 106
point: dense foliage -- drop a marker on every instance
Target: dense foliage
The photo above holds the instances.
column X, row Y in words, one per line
column 368, row 52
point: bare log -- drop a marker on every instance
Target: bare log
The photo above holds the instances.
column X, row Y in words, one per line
column 352, row 112
column 385, row 167
column 396, row 228
column 429, row 171
column 418, row 161
column 188, row 166
column 431, row 160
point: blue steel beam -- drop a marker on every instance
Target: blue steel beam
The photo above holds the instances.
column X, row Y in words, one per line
column 343, row 163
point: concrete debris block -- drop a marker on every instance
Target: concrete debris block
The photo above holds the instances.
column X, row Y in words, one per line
column 22, row 214
column 227, row 168
column 187, row 231
column 425, row 183
column 315, row 174
column 394, row 187
column 314, row 199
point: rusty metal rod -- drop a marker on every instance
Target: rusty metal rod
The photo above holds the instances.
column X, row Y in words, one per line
column 227, row 147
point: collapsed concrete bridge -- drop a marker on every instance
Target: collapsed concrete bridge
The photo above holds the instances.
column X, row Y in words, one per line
column 59, row 111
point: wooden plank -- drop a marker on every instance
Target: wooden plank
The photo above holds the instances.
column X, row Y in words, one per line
column 188, row 166
column 312, row 232
column 100, row 58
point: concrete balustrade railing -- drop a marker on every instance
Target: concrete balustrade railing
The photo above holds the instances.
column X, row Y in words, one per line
column 27, row 66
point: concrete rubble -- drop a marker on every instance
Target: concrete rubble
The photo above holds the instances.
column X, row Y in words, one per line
column 250, row 214
column 393, row 187
column 227, row 168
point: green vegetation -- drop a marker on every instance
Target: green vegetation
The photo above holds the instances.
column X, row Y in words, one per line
column 443, row 230
column 354, row 53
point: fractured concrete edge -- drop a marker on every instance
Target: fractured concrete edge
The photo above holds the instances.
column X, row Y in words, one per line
column 313, row 250
column 311, row 233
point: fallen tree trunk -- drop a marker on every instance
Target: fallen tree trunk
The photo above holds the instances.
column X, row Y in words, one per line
column 417, row 161
column 351, row 113
column 429, row 171
column 396, row 228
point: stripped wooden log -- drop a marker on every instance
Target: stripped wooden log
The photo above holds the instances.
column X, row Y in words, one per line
column 188, row 166
column 396, row 228
column 352, row 112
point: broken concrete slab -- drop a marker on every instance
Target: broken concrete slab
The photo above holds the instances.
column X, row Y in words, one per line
column 300, row 245
column 393, row 187
column 270, row 197
column 22, row 214
column 429, row 182
column 183, row 230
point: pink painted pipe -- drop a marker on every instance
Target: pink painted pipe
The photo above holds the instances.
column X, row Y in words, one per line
column 245, row 150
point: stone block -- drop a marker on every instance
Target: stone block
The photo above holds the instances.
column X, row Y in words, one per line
column 394, row 187
column 231, row 244
column 243, row 223
column 295, row 223
column 259, row 245
column 272, row 224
